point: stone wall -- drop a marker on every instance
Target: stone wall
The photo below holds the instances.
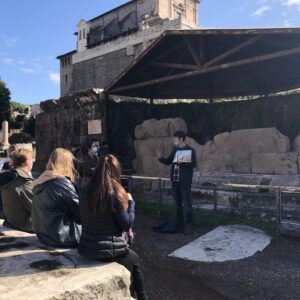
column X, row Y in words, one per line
column 204, row 121
column 99, row 71
column 64, row 123
column 248, row 151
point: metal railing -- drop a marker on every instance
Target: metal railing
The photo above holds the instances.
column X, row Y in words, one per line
column 235, row 188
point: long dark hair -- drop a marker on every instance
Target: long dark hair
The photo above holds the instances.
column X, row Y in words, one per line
column 105, row 186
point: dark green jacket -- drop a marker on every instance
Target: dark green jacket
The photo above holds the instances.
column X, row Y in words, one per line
column 16, row 194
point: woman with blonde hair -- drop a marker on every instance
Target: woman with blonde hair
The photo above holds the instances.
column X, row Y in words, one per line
column 55, row 206
column 107, row 214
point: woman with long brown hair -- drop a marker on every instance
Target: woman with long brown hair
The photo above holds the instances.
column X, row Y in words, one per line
column 55, row 206
column 107, row 213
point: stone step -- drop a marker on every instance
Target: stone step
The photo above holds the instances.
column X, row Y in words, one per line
column 30, row 270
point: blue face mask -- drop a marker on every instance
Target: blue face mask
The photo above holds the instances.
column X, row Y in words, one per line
column 95, row 150
column 176, row 144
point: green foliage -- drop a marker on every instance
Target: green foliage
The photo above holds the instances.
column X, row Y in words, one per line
column 12, row 123
column 16, row 123
column 4, row 102
column 19, row 107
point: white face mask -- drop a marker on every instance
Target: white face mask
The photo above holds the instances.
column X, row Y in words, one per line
column 94, row 150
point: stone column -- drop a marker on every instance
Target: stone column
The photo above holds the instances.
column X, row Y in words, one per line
column 4, row 141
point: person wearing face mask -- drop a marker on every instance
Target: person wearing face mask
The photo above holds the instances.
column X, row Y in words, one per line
column 16, row 191
column 86, row 166
column 182, row 160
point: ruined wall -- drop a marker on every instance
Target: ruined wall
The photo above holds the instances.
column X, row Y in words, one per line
column 62, row 127
column 64, row 123
column 204, row 121
column 245, row 151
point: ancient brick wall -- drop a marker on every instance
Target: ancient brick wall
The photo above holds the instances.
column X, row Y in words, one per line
column 64, row 123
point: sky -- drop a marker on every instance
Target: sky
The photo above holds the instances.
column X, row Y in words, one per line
column 34, row 32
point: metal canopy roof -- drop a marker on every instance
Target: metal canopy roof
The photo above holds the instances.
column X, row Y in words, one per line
column 194, row 64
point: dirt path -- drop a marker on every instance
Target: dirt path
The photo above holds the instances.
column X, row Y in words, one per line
column 272, row 274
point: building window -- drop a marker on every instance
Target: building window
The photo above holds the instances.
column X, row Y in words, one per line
column 66, row 78
column 79, row 35
column 83, row 33
column 69, row 60
column 62, row 62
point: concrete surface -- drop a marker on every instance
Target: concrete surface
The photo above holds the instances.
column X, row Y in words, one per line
column 225, row 243
column 29, row 270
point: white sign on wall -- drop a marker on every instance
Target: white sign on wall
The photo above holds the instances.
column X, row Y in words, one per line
column 94, row 127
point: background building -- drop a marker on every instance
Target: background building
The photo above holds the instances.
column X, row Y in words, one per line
column 108, row 43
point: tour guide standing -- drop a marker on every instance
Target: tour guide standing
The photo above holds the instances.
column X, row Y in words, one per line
column 183, row 161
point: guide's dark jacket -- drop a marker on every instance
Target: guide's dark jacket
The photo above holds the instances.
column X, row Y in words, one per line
column 185, row 169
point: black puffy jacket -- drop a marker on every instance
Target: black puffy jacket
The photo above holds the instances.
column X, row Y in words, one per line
column 55, row 213
column 102, row 237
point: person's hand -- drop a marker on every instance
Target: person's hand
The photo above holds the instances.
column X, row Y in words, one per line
column 158, row 154
column 129, row 197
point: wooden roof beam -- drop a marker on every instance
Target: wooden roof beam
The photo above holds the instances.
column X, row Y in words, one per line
column 192, row 50
column 175, row 66
column 238, row 63
column 232, row 51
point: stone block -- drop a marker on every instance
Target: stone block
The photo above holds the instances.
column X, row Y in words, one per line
column 175, row 125
column 241, row 163
column 31, row 271
column 296, row 144
column 217, row 163
column 259, row 140
column 159, row 128
column 275, row 163
column 148, row 147
column 140, row 130
column 49, row 105
column 221, row 139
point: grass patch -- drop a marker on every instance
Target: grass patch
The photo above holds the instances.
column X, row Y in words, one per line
column 205, row 218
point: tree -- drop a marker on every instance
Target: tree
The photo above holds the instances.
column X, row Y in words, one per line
column 19, row 107
column 4, row 102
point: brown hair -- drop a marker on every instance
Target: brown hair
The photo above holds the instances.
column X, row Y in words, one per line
column 11, row 149
column 105, row 186
column 20, row 157
column 61, row 162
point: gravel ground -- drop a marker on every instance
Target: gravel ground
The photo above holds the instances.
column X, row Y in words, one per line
column 272, row 274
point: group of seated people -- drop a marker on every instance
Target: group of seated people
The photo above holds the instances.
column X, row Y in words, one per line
column 97, row 220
